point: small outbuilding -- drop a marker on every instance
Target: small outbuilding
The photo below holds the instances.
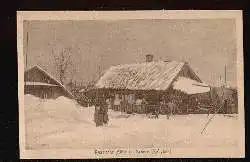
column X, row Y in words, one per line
column 41, row 84
column 229, row 97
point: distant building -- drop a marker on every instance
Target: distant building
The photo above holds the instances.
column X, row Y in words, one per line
column 155, row 81
column 228, row 96
column 40, row 83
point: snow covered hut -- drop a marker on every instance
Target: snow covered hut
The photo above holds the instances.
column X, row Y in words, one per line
column 40, row 83
column 153, row 81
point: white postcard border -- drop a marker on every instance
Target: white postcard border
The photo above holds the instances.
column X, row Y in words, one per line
column 124, row 15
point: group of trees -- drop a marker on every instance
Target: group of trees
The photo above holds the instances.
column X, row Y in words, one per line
column 65, row 70
column 63, row 64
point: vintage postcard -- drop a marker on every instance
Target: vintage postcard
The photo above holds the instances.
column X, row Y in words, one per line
column 130, row 84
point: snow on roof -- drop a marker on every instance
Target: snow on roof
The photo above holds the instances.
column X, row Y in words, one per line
column 51, row 77
column 141, row 76
column 81, row 90
column 190, row 86
column 39, row 84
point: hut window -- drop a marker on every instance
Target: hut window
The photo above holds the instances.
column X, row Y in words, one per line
column 126, row 97
column 117, row 100
column 131, row 98
column 138, row 101
column 116, row 96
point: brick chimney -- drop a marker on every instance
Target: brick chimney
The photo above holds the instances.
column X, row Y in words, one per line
column 149, row 58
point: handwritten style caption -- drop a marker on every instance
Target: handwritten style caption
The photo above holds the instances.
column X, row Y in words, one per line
column 139, row 152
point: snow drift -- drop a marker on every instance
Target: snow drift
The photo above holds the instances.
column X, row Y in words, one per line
column 45, row 117
column 61, row 108
column 62, row 123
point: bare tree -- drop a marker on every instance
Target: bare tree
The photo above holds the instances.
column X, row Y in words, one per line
column 64, row 64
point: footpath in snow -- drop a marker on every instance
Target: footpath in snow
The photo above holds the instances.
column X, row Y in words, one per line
column 62, row 123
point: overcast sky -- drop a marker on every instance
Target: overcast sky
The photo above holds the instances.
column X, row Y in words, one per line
column 208, row 45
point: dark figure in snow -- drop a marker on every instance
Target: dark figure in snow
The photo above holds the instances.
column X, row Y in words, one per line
column 144, row 104
column 171, row 106
column 226, row 110
column 99, row 111
column 104, row 113
column 97, row 114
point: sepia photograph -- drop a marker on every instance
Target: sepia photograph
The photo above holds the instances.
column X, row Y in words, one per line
column 130, row 84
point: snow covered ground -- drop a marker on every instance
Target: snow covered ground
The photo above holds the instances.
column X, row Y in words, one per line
column 64, row 124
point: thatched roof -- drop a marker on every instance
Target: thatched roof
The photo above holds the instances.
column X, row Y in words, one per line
column 144, row 76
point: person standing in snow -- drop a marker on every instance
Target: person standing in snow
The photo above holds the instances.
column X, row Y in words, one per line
column 144, row 105
column 138, row 105
column 97, row 116
column 123, row 104
column 163, row 108
column 171, row 106
column 105, row 114
column 131, row 103
column 117, row 102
